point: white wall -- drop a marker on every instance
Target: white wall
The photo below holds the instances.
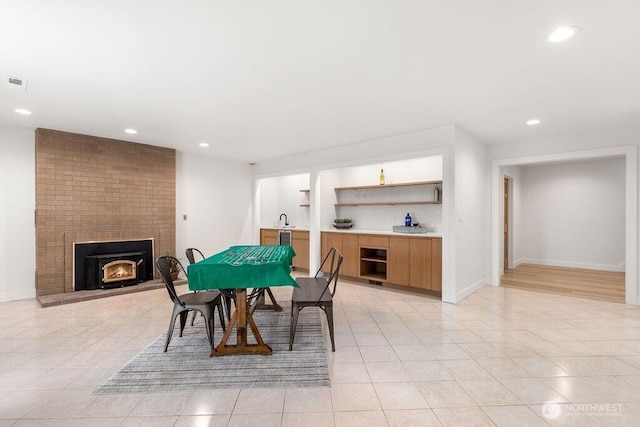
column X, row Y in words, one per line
column 282, row 194
column 216, row 196
column 574, row 214
column 17, row 206
column 471, row 215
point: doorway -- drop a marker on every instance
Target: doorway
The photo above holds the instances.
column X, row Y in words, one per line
column 629, row 153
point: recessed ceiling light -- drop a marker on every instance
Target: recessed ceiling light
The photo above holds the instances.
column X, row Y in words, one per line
column 204, row 144
column 22, row 111
column 563, row 33
column 131, row 131
column 533, row 122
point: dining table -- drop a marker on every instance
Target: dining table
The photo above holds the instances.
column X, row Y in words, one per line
column 239, row 268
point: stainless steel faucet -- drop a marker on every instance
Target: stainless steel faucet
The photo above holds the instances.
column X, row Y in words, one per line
column 286, row 221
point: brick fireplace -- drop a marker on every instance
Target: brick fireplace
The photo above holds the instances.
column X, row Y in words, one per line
column 98, row 189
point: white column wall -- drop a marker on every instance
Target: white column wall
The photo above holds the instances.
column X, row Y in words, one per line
column 216, row 196
column 471, row 215
column 17, row 206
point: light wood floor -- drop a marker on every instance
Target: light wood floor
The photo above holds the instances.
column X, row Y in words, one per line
column 576, row 282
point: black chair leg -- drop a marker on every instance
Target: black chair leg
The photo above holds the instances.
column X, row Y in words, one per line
column 328, row 310
column 227, row 307
column 295, row 311
column 172, row 324
column 221, row 315
column 183, row 320
column 193, row 318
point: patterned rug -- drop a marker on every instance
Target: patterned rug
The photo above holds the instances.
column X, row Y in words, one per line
column 187, row 366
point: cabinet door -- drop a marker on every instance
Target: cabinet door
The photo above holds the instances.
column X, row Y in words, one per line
column 300, row 244
column 268, row 237
column 436, row 265
column 420, row 263
column 398, row 260
column 330, row 240
column 351, row 261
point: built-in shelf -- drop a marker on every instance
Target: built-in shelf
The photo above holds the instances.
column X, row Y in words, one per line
column 373, row 263
column 305, row 205
column 375, row 277
column 401, row 184
column 388, row 203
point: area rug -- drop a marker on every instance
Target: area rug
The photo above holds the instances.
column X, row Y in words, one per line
column 187, row 365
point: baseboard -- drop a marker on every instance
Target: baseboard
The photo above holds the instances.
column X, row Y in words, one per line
column 14, row 296
column 471, row 289
column 602, row 267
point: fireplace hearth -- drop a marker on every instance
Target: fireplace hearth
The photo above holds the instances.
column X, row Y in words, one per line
column 104, row 265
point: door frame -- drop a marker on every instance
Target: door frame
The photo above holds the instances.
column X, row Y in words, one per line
column 507, row 210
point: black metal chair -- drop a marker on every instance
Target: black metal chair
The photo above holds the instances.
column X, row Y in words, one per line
column 227, row 294
column 191, row 256
column 203, row 302
column 317, row 291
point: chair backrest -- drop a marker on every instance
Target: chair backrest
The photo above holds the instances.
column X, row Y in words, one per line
column 164, row 264
column 190, row 255
column 333, row 260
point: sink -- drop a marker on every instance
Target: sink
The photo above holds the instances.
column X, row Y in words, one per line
column 286, row 227
column 411, row 230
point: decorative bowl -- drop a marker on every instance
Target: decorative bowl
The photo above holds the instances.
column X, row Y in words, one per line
column 343, row 225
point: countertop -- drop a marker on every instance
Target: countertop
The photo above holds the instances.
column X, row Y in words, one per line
column 430, row 234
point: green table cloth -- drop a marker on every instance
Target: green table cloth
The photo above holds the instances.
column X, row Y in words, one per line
column 241, row 267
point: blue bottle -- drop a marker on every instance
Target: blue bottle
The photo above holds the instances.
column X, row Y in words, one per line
column 407, row 220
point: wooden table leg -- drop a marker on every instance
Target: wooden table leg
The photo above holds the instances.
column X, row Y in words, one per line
column 240, row 318
column 261, row 305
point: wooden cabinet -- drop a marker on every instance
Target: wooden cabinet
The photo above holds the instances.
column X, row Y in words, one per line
column 436, row 265
column 373, row 257
column 410, row 261
column 420, row 263
column 268, row 236
column 350, row 265
column 425, row 264
column 399, row 260
column 300, row 244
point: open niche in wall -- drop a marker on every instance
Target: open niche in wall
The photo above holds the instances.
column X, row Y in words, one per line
column 410, row 187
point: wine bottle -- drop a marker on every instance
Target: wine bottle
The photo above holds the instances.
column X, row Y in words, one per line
column 381, row 176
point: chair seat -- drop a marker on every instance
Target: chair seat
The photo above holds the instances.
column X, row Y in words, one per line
column 311, row 288
column 199, row 298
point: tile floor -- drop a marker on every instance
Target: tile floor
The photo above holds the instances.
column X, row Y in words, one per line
column 501, row 357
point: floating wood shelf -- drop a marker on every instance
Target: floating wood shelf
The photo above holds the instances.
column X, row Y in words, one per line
column 374, row 259
column 374, row 277
column 402, row 184
column 388, row 203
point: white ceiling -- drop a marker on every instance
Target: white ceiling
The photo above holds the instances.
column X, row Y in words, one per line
column 263, row 79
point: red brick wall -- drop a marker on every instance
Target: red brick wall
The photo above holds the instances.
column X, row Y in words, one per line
column 90, row 188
